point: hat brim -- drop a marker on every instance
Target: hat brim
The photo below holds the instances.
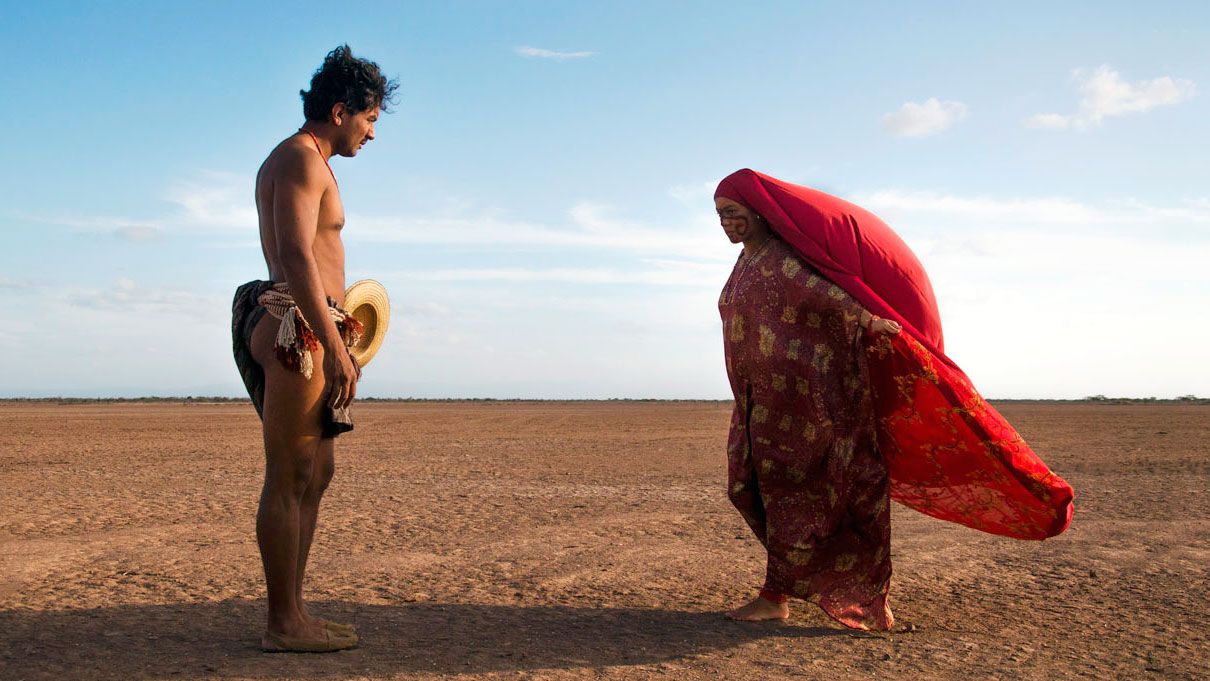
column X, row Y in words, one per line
column 367, row 302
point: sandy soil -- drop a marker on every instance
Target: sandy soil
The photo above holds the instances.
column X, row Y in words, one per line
column 580, row 540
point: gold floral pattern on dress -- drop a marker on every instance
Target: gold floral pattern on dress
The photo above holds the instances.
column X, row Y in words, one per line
column 808, row 432
column 737, row 329
column 778, row 381
column 853, row 382
column 791, row 267
column 846, row 562
column 789, row 315
column 822, row 358
column 792, row 347
column 844, row 450
column 785, row 423
column 798, row 556
column 760, row 414
column 767, row 340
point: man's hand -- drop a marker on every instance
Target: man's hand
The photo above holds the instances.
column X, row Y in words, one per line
column 340, row 377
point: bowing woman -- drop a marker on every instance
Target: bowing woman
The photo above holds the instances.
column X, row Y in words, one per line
column 845, row 399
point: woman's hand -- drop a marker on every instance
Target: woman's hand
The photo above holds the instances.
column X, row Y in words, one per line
column 880, row 325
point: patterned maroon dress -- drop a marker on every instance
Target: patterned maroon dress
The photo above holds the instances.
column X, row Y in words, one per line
column 803, row 463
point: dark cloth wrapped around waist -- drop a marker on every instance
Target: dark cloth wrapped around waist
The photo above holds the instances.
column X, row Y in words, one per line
column 295, row 340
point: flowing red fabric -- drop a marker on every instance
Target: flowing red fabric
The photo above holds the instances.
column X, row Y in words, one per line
column 949, row 453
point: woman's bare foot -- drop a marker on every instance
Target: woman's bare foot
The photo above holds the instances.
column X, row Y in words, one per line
column 760, row 610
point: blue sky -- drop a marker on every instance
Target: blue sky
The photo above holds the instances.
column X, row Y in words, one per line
column 539, row 203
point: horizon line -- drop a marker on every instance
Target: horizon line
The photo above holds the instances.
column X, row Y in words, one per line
column 1091, row 399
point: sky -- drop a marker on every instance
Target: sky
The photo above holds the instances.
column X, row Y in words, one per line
column 538, row 203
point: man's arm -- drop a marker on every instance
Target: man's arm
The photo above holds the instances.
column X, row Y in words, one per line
column 296, row 200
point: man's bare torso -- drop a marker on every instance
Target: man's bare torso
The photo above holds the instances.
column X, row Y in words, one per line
column 295, row 167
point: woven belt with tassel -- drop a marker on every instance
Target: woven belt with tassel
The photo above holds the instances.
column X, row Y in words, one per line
column 295, row 338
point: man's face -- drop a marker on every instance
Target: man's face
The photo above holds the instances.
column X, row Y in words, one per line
column 358, row 128
column 738, row 220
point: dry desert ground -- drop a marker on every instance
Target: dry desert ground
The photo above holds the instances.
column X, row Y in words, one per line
column 513, row 540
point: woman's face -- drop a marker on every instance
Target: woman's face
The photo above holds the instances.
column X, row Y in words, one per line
column 739, row 222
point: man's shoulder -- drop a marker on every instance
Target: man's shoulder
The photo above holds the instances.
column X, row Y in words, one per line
column 292, row 158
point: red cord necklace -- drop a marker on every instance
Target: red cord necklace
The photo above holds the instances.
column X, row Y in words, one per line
column 321, row 153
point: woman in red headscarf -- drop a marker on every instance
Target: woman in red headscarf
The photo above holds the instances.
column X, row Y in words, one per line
column 844, row 399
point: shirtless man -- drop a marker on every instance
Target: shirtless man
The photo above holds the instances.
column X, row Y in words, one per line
column 285, row 328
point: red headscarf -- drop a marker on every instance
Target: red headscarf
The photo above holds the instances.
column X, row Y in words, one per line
column 949, row 453
column 849, row 245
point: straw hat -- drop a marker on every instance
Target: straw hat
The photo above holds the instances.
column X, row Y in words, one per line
column 367, row 302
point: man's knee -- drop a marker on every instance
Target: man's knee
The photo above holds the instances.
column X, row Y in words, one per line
column 292, row 476
column 324, row 470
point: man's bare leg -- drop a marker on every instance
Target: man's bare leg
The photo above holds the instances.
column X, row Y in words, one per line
column 292, row 460
column 308, row 515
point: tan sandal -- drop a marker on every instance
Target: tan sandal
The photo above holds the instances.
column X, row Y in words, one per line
column 339, row 628
column 330, row 643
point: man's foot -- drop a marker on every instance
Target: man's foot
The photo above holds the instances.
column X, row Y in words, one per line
column 334, row 627
column 326, row 641
column 338, row 627
column 760, row 610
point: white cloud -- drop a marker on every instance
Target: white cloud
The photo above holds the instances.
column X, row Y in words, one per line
column 123, row 228
column 7, row 283
column 920, row 120
column 1050, row 121
column 557, row 55
column 120, row 339
column 694, row 195
column 214, row 200
column 1105, row 94
column 133, row 301
column 658, row 273
column 1038, row 294
column 1037, row 211
column 1057, row 297
column 981, row 208
column 139, row 232
column 591, row 226
column 208, row 202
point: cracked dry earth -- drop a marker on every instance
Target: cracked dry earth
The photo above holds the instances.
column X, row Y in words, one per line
column 569, row 540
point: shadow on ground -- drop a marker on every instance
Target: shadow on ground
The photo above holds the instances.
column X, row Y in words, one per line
column 219, row 639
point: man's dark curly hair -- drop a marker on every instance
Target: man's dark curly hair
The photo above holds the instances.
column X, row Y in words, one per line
column 345, row 78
